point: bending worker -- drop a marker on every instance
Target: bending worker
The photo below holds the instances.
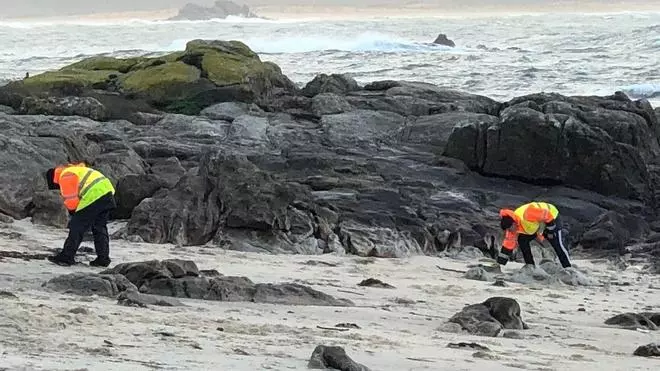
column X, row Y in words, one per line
column 89, row 197
column 523, row 225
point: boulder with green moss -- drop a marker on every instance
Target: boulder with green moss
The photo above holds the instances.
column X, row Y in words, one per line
column 206, row 72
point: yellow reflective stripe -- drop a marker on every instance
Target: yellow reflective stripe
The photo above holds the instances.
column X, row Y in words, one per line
column 84, row 179
column 90, row 185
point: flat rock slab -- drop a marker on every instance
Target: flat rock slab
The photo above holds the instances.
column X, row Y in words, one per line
column 86, row 284
column 183, row 279
column 634, row 321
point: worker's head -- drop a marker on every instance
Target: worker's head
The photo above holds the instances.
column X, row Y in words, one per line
column 53, row 177
column 506, row 222
column 50, row 179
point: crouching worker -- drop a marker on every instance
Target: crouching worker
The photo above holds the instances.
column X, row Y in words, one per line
column 523, row 225
column 89, row 197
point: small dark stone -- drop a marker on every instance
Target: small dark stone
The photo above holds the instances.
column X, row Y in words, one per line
column 7, row 294
column 372, row 282
column 500, row 283
column 347, row 325
column 79, row 310
column 468, row 345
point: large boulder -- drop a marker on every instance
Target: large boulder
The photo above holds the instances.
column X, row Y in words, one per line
column 334, row 83
column 490, row 317
column 551, row 149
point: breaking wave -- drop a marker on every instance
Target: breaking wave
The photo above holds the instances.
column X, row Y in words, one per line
column 638, row 91
column 365, row 42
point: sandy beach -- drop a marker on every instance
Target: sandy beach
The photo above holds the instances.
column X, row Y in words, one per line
column 399, row 328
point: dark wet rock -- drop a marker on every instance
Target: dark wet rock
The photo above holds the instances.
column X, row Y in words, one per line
column 133, row 298
column 7, row 110
column 648, row 350
column 500, row 283
column 132, row 189
column 334, row 83
column 229, row 111
column 182, row 279
column 335, row 358
column 87, row 284
column 633, row 321
column 443, row 40
column 48, row 209
column 220, row 9
column 7, row 295
column 169, row 170
column 392, row 169
column 565, row 151
column 140, row 273
column 490, row 317
column 6, row 219
column 329, row 104
column 79, row 310
column 372, row 282
column 67, row 106
column 512, row 335
column 612, row 231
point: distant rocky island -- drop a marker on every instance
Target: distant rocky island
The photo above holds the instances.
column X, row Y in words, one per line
column 220, row 9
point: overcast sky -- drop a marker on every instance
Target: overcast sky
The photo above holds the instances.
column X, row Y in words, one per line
column 28, row 8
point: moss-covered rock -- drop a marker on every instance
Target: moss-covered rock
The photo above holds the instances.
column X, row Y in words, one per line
column 66, row 79
column 159, row 79
column 206, row 72
column 106, row 64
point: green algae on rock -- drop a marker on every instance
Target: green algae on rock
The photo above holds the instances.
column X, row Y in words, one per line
column 206, row 72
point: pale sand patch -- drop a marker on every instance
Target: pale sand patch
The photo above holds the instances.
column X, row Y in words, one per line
column 39, row 332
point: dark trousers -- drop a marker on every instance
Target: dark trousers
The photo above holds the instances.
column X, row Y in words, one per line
column 94, row 216
column 555, row 240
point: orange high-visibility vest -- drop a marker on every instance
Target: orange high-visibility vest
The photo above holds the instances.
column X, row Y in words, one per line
column 528, row 219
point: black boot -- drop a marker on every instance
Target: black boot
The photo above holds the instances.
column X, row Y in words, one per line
column 99, row 263
column 59, row 260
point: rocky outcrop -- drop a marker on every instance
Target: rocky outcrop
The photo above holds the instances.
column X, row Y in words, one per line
column 387, row 169
column 219, row 10
column 442, row 39
column 102, row 88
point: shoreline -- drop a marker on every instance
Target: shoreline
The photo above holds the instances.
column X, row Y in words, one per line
column 323, row 12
